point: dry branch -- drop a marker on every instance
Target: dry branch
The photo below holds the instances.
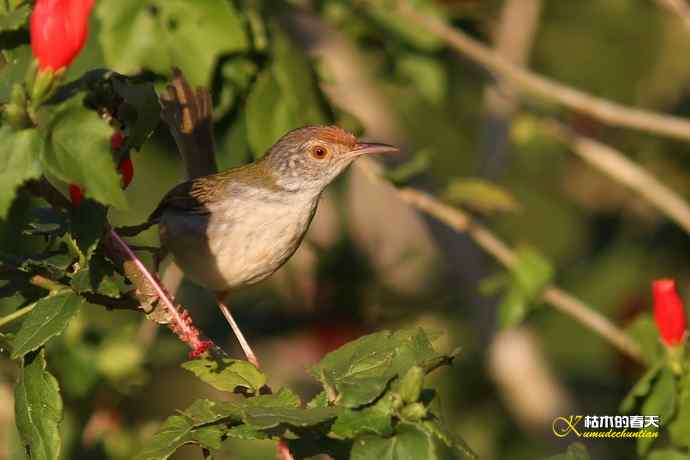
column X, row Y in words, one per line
column 494, row 246
column 601, row 109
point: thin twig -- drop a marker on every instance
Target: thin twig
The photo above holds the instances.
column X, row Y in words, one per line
column 17, row 314
column 603, row 110
column 679, row 8
column 614, row 164
column 493, row 245
column 179, row 322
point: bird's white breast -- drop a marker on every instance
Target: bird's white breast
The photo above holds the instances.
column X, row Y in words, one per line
column 239, row 243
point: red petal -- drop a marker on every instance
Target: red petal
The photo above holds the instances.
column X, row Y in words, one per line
column 669, row 312
column 58, row 31
column 116, row 140
column 126, row 168
column 75, row 195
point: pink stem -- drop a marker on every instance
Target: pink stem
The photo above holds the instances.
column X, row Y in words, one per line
column 186, row 332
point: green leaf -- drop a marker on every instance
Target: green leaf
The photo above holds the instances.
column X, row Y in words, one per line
column 409, row 442
column 261, row 417
column 227, row 374
column 87, row 225
column 20, row 152
column 679, row 428
column 268, row 115
column 99, row 277
column 48, row 319
column 661, row 401
column 643, row 329
column 667, row 454
column 284, row 97
column 177, row 431
column 530, row 273
column 437, row 429
column 360, row 370
column 576, row 451
column 140, row 110
column 38, row 409
column 640, row 389
column 160, row 34
column 296, row 79
column 283, row 398
column 46, row 222
column 204, row 412
column 15, row 19
column 402, row 27
column 79, row 153
column 14, row 70
column 426, row 74
column 374, row 419
column 480, row 195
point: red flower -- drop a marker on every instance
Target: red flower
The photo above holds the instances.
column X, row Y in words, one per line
column 75, row 194
column 669, row 312
column 126, row 169
column 58, row 31
column 116, row 140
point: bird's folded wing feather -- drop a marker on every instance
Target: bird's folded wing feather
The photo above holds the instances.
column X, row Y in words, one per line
column 181, row 198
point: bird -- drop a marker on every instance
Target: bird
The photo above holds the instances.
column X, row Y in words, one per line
column 237, row 227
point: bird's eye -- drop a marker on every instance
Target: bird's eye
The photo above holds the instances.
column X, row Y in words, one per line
column 319, row 152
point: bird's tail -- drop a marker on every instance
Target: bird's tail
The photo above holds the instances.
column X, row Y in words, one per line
column 188, row 114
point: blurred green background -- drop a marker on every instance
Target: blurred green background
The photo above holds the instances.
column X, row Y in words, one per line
column 369, row 262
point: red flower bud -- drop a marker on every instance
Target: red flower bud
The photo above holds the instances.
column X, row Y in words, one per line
column 669, row 312
column 126, row 168
column 75, row 194
column 116, row 140
column 58, row 31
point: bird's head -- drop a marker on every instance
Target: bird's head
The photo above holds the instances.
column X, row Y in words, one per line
column 310, row 158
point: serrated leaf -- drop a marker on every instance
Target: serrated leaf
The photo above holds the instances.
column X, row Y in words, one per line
column 204, row 411
column 284, row 97
column 20, row 153
column 46, row 222
column 374, row 419
column 160, row 34
column 140, row 110
column 409, row 442
column 360, row 370
column 402, row 27
column 640, row 389
column 99, row 277
column 267, row 113
column 441, row 432
column 78, row 152
column 14, row 70
column 679, row 428
column 262, row 418
column 661, row 401
column 530, row 273
column 38, row 409
column 480, row 195
column 227, row 374
column 283, row 398
column 87, row 225
column 576, row 451
column 15, row 19
column 49, row 318
column 667, row 454
column 643, row 330
column 177, row 431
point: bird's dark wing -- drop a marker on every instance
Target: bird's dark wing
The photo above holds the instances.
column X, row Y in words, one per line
column 181, row 197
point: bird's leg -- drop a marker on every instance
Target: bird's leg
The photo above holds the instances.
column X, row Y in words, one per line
column 158, row 258
column 251, row 357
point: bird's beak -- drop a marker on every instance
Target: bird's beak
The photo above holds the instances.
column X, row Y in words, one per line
column 367, row 148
